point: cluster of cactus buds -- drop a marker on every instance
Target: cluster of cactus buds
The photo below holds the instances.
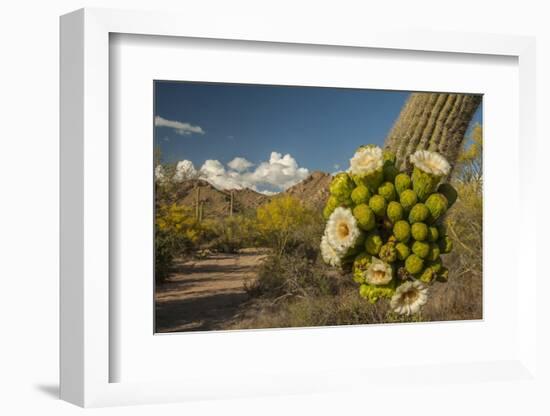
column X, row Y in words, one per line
column 388, row 225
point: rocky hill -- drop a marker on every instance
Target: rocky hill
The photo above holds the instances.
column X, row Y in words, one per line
column 312, row 191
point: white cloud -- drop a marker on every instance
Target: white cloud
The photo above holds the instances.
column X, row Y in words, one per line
column 240, row 164
column 280, row 171
column 185, row 129
column 268, row 193
column 212, row 168
column 269, row 177
column 185, row 170
column 214, row 172
column 159, row 173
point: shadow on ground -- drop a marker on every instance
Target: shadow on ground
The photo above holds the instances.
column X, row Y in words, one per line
column 204, row 313
column 51, row 390
column 205, row 294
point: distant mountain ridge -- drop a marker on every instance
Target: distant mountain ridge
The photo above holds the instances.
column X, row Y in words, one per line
column 312, row 191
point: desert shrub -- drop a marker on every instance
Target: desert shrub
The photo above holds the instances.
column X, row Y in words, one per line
column 343, row 308
column 461, row 298
column 283, row 221
column 298, row 273
column 230, row 234
column 469, row 165
column 176, row 233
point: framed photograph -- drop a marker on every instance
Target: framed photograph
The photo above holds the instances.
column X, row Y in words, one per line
column 282, row 213
column 315, row 206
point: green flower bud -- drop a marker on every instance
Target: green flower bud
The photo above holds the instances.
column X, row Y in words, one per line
column 388, row 253
column 434, row 253
column 372, row 180
column 427, row 275
column 421, row 249
column 408, row 199
column 433, row 234
column 378, row 204
column 402, row 183
column 437, row 204
column 443, row 275
column 341, row 187
column 402, row 231
column 394, row 212
column 445, row 245
column 360, row 266
column 360, row 195
column 388, row 157
column 424, row 183
column 449, row 191
column 414, row 264
column 402, row 250
column 419, row 213
column 387, row 190
column 364, row 216
column 390, row 172
column 435, row 265
column 373, row 293
column 331, row 205
column 373, row 243
column 419, row 231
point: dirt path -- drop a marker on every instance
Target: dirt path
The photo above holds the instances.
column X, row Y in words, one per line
column 205, row 294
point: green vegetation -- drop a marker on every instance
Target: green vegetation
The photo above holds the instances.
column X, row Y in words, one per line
column 282, row 221
column 438, row 240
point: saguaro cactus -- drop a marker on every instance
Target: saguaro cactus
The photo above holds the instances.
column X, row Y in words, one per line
column 197, row 201
column 394, row 241
column 201, row 211
column 431, row 121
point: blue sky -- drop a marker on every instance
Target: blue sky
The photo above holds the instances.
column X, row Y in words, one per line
column 318, row 127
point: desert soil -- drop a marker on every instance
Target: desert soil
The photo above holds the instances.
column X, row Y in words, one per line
column 206, row 294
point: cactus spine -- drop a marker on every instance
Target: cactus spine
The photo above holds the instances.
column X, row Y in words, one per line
column 431, row 121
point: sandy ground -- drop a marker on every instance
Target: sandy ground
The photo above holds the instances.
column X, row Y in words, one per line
column 205, row 294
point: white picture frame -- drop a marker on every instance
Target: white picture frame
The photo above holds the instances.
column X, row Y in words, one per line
column 86, row 356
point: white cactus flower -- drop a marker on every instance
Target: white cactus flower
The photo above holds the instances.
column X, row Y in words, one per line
column 431, row 162
column 342, row 231
column 366, row 161
column 329, row 254
column 378, row 273
column 409, row 298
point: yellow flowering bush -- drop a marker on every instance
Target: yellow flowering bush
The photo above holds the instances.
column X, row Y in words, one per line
column 176, row 232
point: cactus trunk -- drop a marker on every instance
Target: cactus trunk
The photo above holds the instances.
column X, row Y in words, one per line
column 431, row 121
column 197, row 202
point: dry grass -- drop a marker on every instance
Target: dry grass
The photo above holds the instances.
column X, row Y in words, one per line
column 459, row 299
column 345, row 308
